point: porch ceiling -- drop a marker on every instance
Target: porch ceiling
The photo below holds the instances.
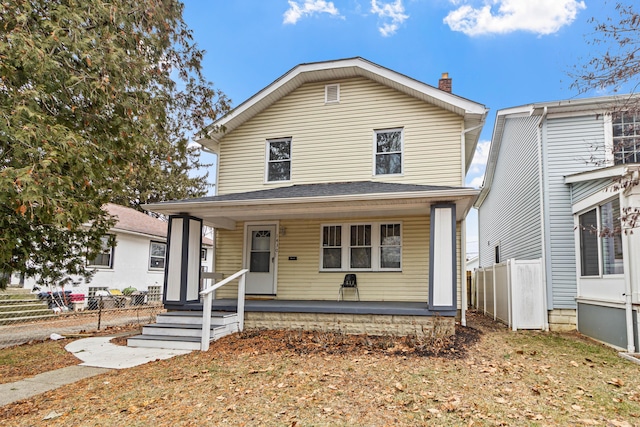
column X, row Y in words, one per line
column 225, row 211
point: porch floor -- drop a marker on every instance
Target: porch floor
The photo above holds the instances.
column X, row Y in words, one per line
column 394, row 308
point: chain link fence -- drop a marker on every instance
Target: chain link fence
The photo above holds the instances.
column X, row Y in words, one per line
column 28, row 316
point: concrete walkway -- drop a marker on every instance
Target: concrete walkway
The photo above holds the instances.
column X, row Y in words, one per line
column 98, row 356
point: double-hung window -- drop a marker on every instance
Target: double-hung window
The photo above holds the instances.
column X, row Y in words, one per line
column 369, row 247
column 104, row 259
column 278, row 166
column 157, row 254
column 388, row 151
column 601, row 240
column 626, row 138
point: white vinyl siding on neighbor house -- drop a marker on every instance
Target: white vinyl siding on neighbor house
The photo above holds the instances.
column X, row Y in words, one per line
column 567, row 148
column 333, row 141
column 582, row 190
column 509, row 218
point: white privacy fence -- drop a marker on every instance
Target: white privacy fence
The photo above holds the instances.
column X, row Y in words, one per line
column 513, row 292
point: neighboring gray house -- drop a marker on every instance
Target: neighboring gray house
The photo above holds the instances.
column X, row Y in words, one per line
column 550, row 181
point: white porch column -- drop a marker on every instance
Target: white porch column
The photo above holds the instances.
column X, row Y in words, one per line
column 442, row 257
column 182, row 269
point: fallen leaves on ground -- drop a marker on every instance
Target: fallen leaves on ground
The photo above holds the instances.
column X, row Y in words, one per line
column 287, row 378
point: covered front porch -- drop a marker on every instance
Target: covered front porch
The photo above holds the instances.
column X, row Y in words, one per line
column 297, row 243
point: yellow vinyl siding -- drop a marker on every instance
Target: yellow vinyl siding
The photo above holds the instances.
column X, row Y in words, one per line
column 229, row 246
column 343, row 134
column 301, row 279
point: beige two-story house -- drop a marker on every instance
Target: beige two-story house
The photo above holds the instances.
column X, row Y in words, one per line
column 336, row 168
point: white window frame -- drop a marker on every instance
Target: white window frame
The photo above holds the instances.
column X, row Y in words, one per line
column 151, row 256
column 346, row 246
column 268, row 161
column 375, row 150
column 106, row 247
column 610, row 139
column 597, row 207
column 326, row 93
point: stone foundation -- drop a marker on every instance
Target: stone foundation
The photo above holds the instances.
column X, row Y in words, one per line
column 562, row 320
column 370, row 324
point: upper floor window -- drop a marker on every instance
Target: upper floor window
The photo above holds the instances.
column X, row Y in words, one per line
column 601, row 240
column 388, row 150
column 626, row 138
column 278, row 159
column 157, row 255
column 105, row 257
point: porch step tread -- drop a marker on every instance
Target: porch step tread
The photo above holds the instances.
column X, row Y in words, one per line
column 197, row 314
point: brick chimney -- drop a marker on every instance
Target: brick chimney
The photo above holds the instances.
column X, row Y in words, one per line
column 445, row 83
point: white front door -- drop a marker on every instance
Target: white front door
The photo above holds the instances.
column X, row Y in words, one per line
column 260, row 258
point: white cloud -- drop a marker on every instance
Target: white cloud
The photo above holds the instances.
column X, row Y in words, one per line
column 480, row 157
column 392, row 13
column 477, row 181
column 505, row 16
column 297, row 11
column 475, row 176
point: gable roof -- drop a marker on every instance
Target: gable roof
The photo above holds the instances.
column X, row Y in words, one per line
column 474, row 114
column 595, row 105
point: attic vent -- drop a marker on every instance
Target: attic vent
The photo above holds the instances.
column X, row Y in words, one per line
column 331, row 93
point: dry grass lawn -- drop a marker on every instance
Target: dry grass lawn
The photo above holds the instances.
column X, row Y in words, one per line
column 489, row 376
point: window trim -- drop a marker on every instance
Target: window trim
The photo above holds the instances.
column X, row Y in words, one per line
column 346, row 246
column 268, row 161
column 157, row 242
column 599, row 242
column 90, row 262
column 610, row 139
column 375, row 150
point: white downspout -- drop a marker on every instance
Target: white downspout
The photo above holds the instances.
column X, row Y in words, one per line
column 463, row 269
column 542, row 224
column 627, row 279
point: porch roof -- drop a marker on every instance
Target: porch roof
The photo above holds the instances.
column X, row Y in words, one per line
column 324, row 201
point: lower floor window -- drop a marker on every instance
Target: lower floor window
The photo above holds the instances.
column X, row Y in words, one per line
column 601, row 240
column 374, row 247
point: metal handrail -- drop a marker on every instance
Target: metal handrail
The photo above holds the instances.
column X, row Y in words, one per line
column 207, row 293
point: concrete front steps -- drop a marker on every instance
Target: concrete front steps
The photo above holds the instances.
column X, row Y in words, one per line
column 19, row 305
column 182, row 330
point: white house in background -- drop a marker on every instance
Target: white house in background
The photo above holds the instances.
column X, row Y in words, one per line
column 550, row 182
column 138, row 258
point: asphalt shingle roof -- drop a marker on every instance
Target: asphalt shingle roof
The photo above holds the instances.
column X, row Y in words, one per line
column 322, row 190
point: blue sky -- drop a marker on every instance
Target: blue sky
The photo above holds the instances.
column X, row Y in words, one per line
column 500, row 53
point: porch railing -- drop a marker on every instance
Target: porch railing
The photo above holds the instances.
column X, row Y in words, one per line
column 207, row 294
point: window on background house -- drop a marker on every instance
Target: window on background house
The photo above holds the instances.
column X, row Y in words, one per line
column 105, row 257
column 626, row 138
column 601, row 240
column 388, row 152
column 279, row 160
column 157, row 256
column 203, row 254
column 496, row 257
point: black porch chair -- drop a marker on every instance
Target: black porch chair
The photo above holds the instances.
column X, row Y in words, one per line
column 349, row 282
